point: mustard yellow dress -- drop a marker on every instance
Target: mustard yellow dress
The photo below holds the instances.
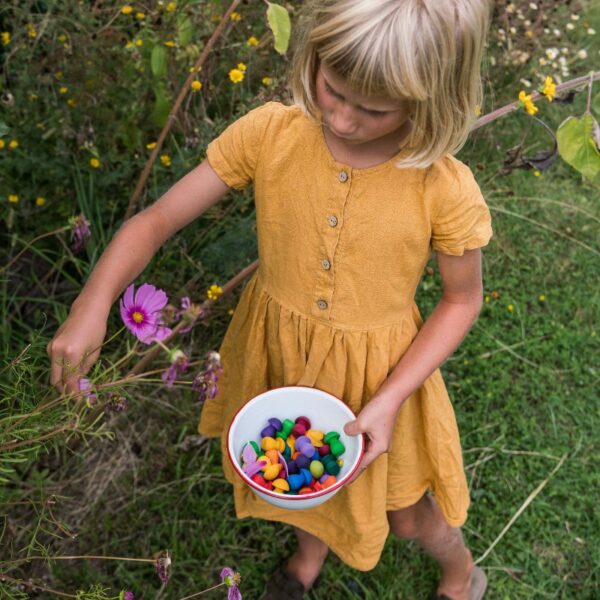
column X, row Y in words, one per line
column 331, row 306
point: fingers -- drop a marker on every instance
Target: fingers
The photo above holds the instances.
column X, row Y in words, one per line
column 373, row 450
column 66, row 368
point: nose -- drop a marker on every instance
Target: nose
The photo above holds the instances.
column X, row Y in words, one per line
column 342, row 119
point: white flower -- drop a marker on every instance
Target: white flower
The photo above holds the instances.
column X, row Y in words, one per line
column 591, row 31
column 542, row 61
column 551, row 53
column 556, row 32
column 570, row 26
column 575, row 17
column 565, row 50
column 533, row 6
column 525, row 82
column 513, row 30
column 582, row 54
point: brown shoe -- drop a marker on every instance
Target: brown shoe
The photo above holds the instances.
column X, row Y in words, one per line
column 478, row 586
column 282, row 586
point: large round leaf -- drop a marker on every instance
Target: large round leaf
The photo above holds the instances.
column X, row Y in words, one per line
column 577, row 146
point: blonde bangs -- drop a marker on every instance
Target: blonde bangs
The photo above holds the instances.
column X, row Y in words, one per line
column 427, row 52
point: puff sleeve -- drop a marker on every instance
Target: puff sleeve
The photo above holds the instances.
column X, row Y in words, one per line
column 461, row 219
column 235, row 153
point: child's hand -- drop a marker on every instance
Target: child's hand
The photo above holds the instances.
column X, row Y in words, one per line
column 75, row 347
column 376, row 420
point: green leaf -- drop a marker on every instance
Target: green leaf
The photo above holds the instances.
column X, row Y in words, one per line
column 3, row 129
column 596, row 104
column 158, row 61
column 162, row 106
column 281, row 26
column 185, row 30
column 577, row 146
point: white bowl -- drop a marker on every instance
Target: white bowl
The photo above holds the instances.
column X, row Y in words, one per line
column 326, row 413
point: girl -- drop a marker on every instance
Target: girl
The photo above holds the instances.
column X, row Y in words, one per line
column 355, row 184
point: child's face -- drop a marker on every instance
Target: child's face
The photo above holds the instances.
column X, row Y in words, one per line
column 353, row 118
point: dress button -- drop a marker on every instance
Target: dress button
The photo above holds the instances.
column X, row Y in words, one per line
column 322, row 304
column 326, row 264
column 343, row 176
column 332, row 220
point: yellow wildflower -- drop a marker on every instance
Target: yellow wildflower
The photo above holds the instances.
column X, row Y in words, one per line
column 58, row 75
column 527, row 103
column 510, row 308
column 72, row 102
column 31, row 32
column 63, row 89
column 170, row 44
column 549, row 88
column 5, row 35
column 542, row 298
column 242, row 66
column 235, row 16
column 196, row 86
column 165, row 159
column 537, row 173
column 236, row 75
column 140, row 15
column 151, row 145
column 62, row 38
column 171, row 7
column 13, row 198
column 267, row 81
column 40, row 201
column 139, row 43
column 129, row 44
column 195, row 70
column 13, row 144
column 252, row 41
column 230, row 311
column 127, row 9
column 214, row 291
column 487, row 299
column 95, row 163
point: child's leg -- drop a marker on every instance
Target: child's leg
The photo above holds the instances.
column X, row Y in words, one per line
column 425, row 523
column 305, row 564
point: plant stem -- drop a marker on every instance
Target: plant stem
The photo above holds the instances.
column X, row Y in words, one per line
column 567, row 85
column 589, row 98
column 81, row 557
column 185, row 88
column 34, row 586
column 214, row 587
column 31, row 242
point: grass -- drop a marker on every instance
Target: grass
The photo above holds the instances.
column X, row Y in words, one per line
column 524, row 385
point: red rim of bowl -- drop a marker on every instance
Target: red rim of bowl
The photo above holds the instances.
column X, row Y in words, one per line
column 291, row 497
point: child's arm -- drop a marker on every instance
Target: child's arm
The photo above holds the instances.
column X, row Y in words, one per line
column 447, row 325
column 76, row 345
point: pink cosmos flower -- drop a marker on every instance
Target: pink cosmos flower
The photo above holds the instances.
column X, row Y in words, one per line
column 141, row 313
column 231, row 579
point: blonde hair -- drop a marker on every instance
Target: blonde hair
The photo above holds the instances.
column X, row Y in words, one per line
column 427, row 52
